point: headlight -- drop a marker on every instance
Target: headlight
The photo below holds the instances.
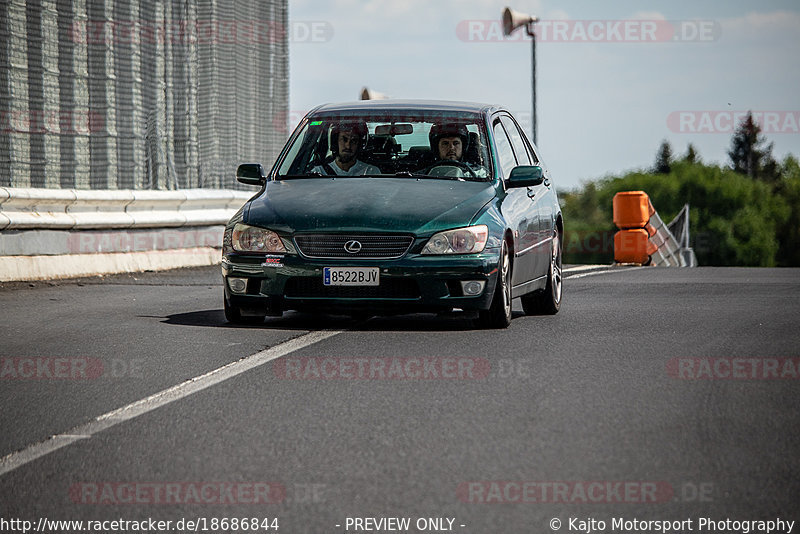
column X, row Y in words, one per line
column 246, row 238
column 469, row 240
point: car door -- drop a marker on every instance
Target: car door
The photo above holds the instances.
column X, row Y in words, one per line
column 540, row 195
column 530, row 254
column 516, row 208
column 546, row 204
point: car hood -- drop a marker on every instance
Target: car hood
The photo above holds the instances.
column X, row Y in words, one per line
column 418, row 206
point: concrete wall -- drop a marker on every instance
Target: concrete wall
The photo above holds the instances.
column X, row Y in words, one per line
column 62, row 233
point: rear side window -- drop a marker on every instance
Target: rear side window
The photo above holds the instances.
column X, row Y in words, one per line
column 505, row 153
column 517, row 143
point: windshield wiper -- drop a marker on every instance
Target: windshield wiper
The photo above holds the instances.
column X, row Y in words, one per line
column 409, row 174
column 433, row 177
column 313, row 174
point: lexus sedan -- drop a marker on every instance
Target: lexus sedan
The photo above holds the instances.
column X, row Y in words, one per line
column 390, row 206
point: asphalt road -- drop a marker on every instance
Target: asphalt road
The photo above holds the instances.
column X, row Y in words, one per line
column 655, row 394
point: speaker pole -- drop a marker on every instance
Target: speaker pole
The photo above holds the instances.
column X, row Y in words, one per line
column 532, row 33
column 511, row 21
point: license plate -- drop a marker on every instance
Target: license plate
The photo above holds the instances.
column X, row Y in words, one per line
column 350, row 276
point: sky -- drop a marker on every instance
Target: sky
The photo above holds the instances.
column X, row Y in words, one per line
column 614, row 79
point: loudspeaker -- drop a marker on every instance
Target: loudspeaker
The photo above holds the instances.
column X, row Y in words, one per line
column 367, row 94
column 514, row 19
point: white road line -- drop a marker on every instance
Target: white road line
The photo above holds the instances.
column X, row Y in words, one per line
column 135, row 409
column 580, row 268
column 606, row 271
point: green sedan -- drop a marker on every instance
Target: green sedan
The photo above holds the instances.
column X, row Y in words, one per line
column 386, row 207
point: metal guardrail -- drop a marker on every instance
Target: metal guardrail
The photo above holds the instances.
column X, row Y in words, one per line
column 672, row 250
column 679, row 228
column 71, row 209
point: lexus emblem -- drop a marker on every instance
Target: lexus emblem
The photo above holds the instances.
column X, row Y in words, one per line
column 353, row 247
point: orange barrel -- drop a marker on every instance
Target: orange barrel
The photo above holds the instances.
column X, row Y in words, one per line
column 633, row 246
column 632, row 209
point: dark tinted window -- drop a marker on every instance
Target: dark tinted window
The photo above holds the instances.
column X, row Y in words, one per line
column 520, row 149
column 531, row 152
column 504, row 151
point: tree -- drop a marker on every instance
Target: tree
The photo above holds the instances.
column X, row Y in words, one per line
column 734, row 220
column 663, row 159
column 692, row 156
column 789, row 233
column 750, row 154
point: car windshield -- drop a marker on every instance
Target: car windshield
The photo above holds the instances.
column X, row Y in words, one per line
column 424, row 144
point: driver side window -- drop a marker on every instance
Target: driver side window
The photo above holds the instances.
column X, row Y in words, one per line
column 504, row 152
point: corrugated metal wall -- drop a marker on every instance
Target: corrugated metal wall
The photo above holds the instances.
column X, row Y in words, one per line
column 140, row 94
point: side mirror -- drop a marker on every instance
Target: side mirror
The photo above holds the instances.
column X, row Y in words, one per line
column 526, row 176
column 251, row 174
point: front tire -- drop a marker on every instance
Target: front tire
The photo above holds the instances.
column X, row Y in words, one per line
column 548, row 301
column 499, row 313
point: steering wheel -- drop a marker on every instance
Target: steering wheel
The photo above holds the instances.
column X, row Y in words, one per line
column 450, row 163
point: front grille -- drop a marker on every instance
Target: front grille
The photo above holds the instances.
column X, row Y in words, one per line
column 372, row 246
column 390, row 288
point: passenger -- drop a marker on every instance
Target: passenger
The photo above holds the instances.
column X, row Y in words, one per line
column 347, row 139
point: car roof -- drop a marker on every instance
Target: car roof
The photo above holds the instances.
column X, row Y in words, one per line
column 407, row 105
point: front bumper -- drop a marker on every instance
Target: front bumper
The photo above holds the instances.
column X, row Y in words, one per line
column 413, row 283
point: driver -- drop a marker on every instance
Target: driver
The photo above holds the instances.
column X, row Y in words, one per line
column 347, row 139
column 448, row 141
